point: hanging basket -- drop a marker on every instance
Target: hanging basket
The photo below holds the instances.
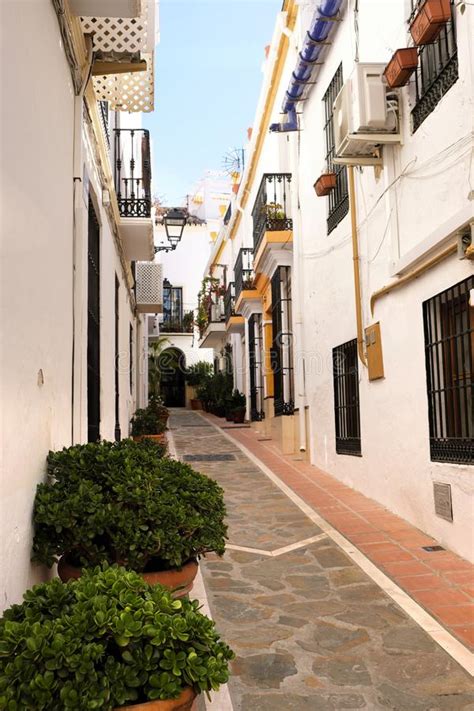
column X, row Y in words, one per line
column 401, row 67
column 325, row 184
column 431, row 17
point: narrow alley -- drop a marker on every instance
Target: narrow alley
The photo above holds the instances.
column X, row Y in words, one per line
column 311, row 630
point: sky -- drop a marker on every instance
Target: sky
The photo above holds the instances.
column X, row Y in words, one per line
column 208, row 77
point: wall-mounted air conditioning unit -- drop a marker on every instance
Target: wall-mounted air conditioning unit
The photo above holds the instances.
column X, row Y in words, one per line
column 366, row 113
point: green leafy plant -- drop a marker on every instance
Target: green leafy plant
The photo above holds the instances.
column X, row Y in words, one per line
column 238, row 401
column 118, row 502
column 104, row 641
column 147, row 421
column 188, row 321
column 199, row 373
column 155, row 350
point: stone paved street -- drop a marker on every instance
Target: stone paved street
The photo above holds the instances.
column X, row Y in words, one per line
column 310, row 629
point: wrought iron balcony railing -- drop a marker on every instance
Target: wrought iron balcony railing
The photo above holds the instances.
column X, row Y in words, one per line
column 133, row 171
column 229, row 302
column 272, row 206
column 243, row 270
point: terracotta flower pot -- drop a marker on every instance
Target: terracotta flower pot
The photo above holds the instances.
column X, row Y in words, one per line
column 160, row 438
column 180, row 581
column 239, row 416
column 196, row 404
column 401, row 67
column 429, row 20
column 325, row 183
column 184, row 702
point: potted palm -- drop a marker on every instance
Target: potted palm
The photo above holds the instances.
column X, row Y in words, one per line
column 108, row 641
column 118, row 502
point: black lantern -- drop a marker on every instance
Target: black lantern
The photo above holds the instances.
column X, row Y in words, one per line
column 174, row 221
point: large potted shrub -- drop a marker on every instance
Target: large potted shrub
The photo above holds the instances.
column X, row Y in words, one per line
column 107, row 641
column 150, row 422
column 119, row 503
column 238, row 407
column 197, row 375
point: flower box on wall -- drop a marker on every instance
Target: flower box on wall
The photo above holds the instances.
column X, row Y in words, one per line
column 325, row 183
column 401, row 67
column 430, row 18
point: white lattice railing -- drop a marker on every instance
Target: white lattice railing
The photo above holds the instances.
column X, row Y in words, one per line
column 149, row 287
column 128, row 92
column 123, row 34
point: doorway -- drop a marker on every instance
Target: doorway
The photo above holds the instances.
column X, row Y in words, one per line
column 172, row 365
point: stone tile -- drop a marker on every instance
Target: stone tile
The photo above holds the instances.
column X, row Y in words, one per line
column 310, row 629
column 268, row 670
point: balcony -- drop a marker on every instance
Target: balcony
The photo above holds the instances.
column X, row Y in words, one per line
column 211, row 311
column 271, row 211
column 149, row 287
column 247, row 297
column 125, row 34
column 234, row 321
column 132, row 177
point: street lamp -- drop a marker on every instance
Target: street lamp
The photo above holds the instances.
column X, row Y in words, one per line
column 174, row 221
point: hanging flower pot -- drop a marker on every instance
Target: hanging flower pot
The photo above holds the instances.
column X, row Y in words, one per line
column 401, row 67
column 429, row 20
column 325, row 183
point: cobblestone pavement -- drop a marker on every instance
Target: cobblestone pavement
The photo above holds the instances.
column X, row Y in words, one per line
column 310, row 629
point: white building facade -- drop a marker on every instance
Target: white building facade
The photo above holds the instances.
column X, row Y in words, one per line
column 77, row 243
column 353, row 316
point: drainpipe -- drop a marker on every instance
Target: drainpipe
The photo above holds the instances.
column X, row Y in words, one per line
column 77, row 226
column 446, row 252
column 321, row 27
column 298, row 298
column 356, row 262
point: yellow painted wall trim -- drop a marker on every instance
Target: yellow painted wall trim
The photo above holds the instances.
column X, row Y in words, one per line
column 247, row 295
column 291, row 9
column 282, row 238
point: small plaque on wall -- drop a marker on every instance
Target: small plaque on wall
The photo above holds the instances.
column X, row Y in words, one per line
column 442, row 499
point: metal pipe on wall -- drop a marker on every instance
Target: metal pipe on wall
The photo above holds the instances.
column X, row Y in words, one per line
column 356, row 263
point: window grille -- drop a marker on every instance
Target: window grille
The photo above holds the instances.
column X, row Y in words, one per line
column 282, row 345
column 346, row 398
column 437, row 69
column 256, row 367
column 449, row 346
column 339, row 197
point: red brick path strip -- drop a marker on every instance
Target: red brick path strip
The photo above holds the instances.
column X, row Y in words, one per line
column 441, row 582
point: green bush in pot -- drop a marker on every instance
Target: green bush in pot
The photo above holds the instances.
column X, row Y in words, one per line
column 118, row 502
column 105, row 641
column 147, row 421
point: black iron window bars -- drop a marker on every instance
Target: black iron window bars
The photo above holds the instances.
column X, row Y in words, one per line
column 229, row 302
column 449, row 347
column 346, row 398
column 338, row 198
column 437, row 69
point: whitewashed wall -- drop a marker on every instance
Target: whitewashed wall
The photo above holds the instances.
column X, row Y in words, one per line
column 425, row 205
column 37, row 285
